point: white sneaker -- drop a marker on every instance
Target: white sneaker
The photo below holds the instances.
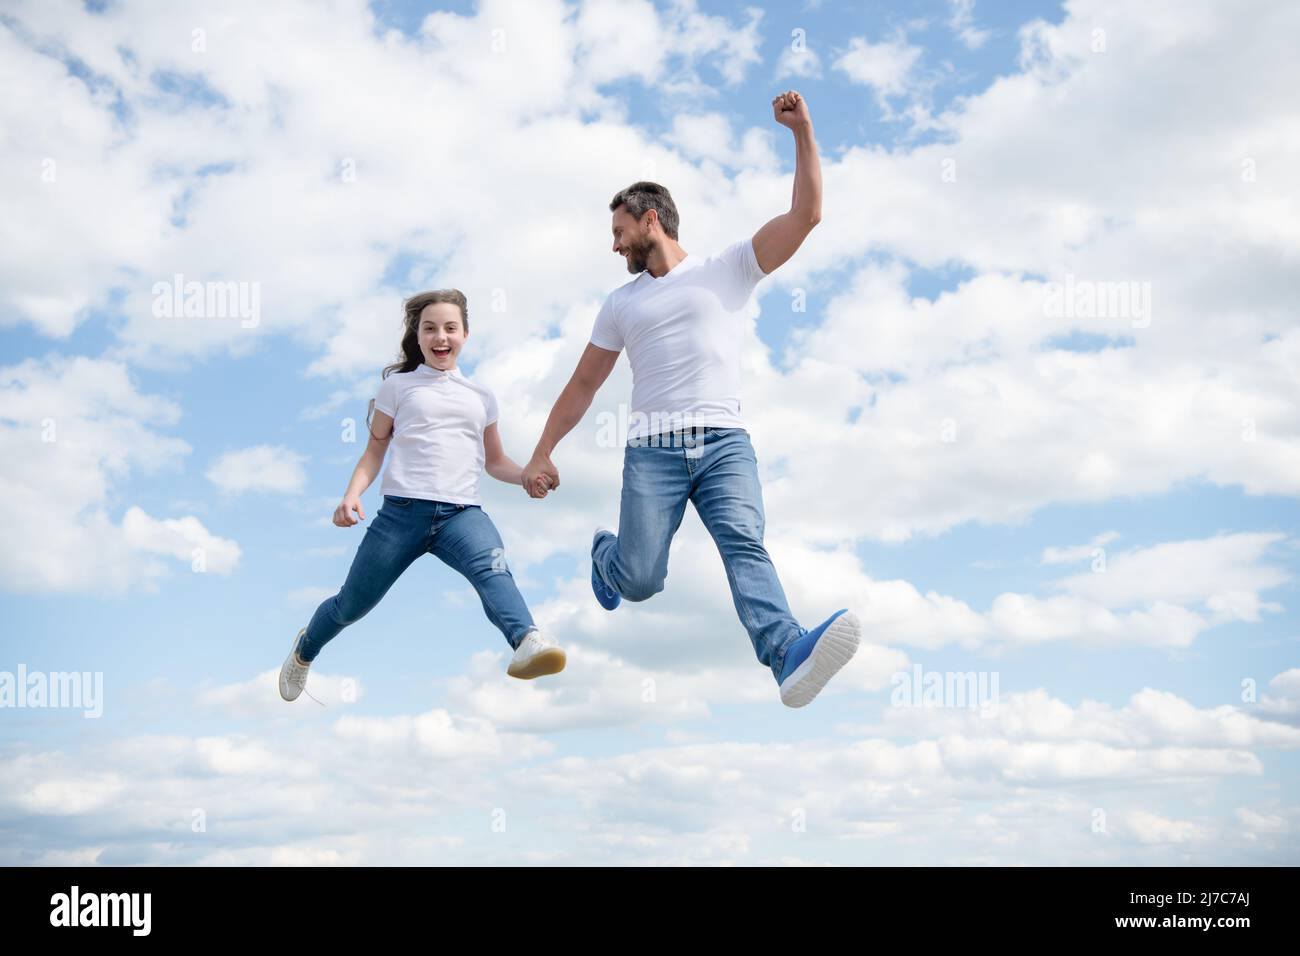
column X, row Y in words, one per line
column 293, row 676
column 536, row 656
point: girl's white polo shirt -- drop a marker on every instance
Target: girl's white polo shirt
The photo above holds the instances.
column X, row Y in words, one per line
column 436, row 452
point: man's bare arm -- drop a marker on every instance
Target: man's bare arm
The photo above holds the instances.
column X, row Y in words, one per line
column 779, row 238
column 592, row 370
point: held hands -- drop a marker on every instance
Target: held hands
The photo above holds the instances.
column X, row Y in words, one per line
column 791, row 110
column 540, row 477
column 343, row 513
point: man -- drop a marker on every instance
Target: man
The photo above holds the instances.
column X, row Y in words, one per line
column 682, row 322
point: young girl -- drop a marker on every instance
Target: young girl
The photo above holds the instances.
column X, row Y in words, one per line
column 443, row 432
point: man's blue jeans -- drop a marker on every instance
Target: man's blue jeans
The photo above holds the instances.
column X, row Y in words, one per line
column 717, row 471
column 463, row 536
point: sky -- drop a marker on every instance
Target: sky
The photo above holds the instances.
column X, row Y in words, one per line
column 1027, row 400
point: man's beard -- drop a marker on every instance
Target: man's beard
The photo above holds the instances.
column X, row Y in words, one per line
column 637, row 256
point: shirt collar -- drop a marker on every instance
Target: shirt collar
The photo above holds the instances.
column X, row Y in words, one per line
column 437, row 373
column 686, row 265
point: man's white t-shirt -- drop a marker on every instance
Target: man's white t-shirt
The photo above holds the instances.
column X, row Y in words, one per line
column 436, row 451
column 683, row 333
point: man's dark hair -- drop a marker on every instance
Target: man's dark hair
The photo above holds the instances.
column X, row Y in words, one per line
column 643, row 196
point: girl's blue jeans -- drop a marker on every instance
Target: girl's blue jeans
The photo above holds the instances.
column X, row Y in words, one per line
column 463, row 536
column 716, row 470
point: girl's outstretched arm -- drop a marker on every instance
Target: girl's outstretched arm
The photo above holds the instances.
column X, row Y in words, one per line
column 372, row 460
column 497, row 463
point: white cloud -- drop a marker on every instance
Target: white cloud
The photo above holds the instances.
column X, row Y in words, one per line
column 45, row 786
column 709, row 136
column 976, row 396
column 182, row 538
column 887, row 67
column 1182, row 571
column 514, row 72
column 72, row 432
column 962, row 22
column 662, row 46
column 598, row 690
column 1079, row 552
column 1026, row 619
column 1226, row 574
column 1025, row 786
column 801, row 62
column 260, row 468
column 1152, row 828
column 1151, row 720
column 438, row 734
column 621, row 38
column 1268, row 824
column 1284, row 702
column 733, row 48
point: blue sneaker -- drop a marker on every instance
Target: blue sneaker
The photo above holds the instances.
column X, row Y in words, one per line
column 814, row 658
column 606, row 595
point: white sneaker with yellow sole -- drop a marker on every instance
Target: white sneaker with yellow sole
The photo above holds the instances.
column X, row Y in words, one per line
column 536, row 656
